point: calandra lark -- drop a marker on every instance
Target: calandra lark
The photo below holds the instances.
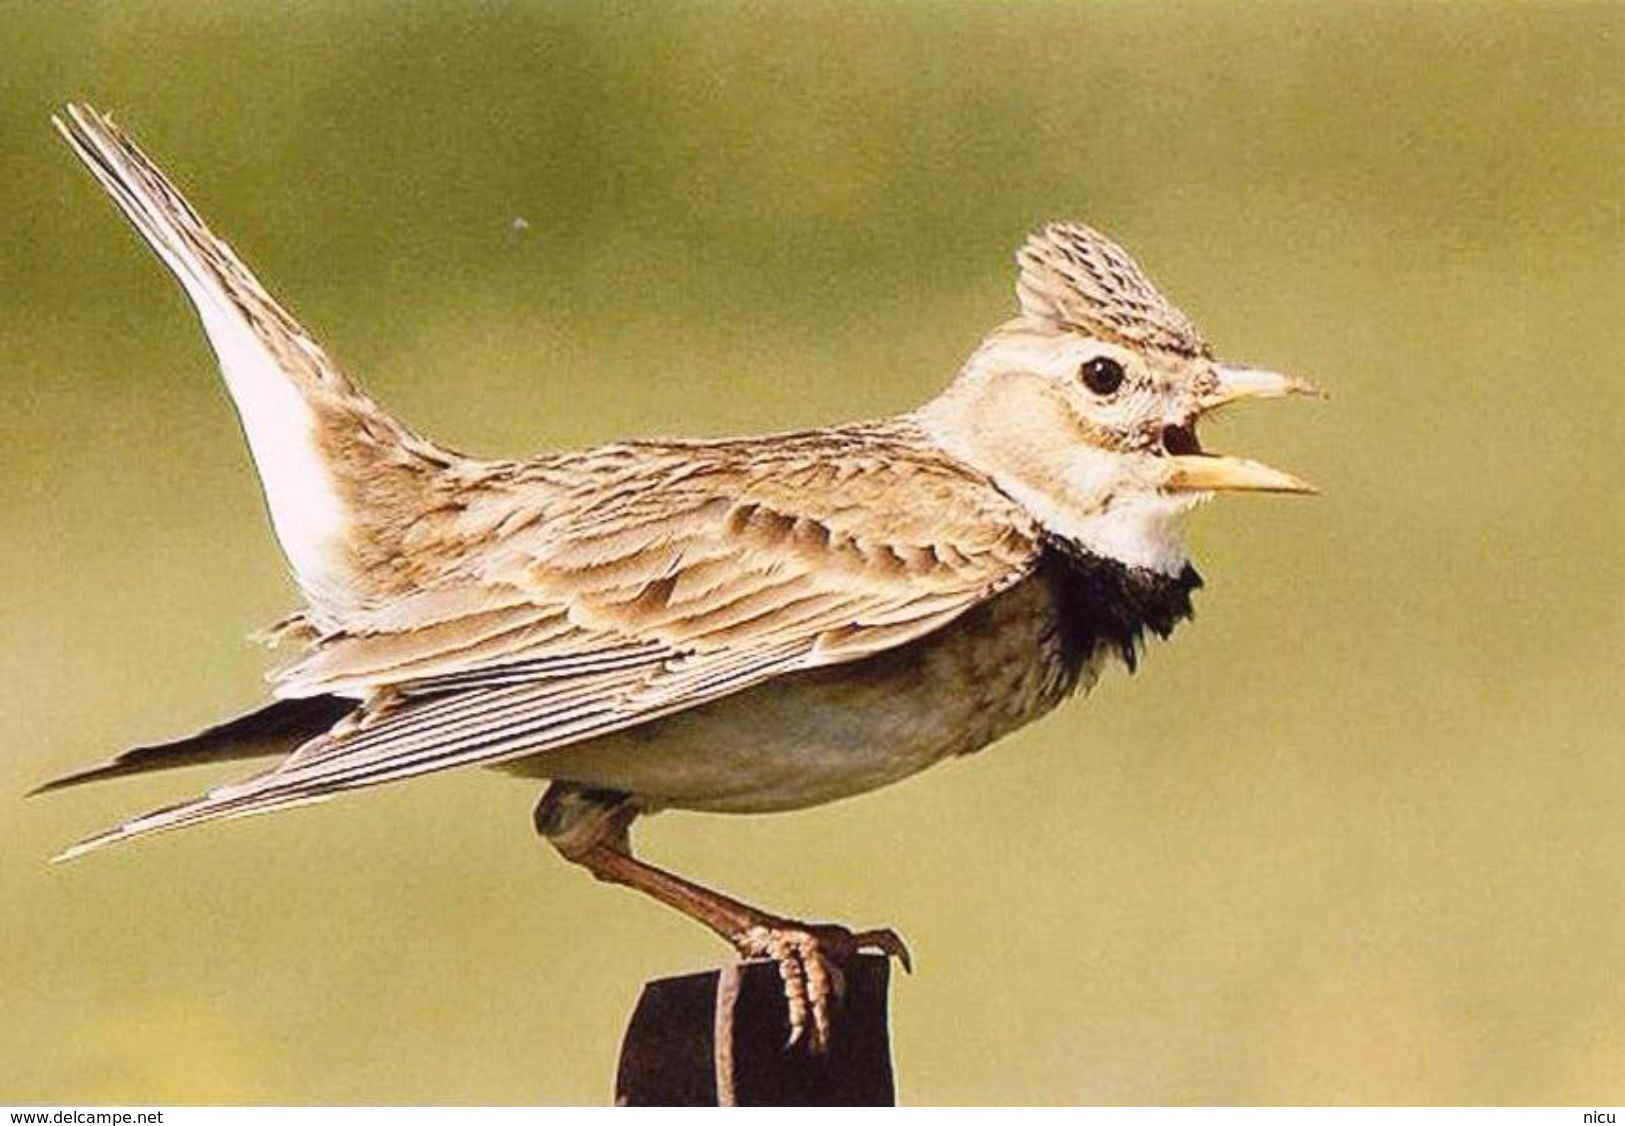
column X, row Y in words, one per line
column 735, row 626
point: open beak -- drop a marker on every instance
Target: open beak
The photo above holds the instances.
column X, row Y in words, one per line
column 1192, row 470
column 1236, row 382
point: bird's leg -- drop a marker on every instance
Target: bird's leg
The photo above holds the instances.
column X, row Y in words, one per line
column 592, row 828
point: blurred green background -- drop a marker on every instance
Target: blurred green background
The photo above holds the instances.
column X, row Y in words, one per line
column 1355, row 836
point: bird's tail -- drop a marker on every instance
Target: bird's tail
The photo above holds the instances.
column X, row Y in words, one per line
column 275, row 729
column 336, row 468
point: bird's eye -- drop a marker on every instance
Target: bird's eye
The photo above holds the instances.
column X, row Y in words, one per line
column 1102, row 375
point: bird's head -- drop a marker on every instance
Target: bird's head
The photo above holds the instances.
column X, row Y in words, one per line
column 1084, row 407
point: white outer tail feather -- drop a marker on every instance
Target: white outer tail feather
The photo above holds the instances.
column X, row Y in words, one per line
column 307, row 510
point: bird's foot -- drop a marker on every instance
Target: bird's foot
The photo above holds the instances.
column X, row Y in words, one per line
column 809, row 957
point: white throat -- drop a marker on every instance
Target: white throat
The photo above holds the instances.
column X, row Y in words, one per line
column 1137, row 529
column 1146, row 532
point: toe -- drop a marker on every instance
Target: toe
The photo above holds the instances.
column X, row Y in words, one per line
column 887, row 942
column 809, row 959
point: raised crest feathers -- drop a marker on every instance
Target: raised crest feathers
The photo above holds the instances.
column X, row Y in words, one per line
column 1075, row 277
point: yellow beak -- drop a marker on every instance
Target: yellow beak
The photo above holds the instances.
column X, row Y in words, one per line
column 1213, row 472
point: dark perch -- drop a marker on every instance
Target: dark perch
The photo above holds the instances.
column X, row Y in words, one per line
column 718, row 1039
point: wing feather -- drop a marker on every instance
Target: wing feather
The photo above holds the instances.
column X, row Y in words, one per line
column 627, row 605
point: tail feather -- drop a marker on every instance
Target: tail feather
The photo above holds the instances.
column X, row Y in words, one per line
column 176, row 817
column 319, row 443
column 275, row 729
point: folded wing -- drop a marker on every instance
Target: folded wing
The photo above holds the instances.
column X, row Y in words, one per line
column 653, row 579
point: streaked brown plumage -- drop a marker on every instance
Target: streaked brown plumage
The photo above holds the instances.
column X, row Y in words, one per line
column 738, row 625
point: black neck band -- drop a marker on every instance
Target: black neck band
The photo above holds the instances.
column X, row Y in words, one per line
column 1104, row 602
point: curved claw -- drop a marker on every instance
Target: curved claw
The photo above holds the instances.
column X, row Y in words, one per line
column 809, row 958
column 885, row 941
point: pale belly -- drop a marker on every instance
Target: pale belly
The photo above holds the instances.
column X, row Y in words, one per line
column 818, row 736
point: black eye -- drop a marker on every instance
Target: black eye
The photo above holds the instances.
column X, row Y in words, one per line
column 1102, row 375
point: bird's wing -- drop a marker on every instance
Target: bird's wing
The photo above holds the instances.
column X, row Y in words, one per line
column 686, row 574
column 833, row 546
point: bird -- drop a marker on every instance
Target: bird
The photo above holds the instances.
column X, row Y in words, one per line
column 738, row 625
